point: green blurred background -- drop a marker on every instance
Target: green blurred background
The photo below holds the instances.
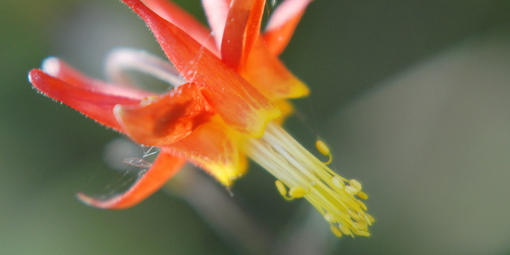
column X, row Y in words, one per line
column 412, row 96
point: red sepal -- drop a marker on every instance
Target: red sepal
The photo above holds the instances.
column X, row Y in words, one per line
column 163, row 168
column 93, row 103
column 242, row 28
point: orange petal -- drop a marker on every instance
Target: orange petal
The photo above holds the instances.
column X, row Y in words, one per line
column 173, row 13
column 217, row 149
column 268, row 74
column 164, row 167
column 282, row 24
column 238, row 103
column 216, row 12
column 166, row 119
column 242, row 28
column 93, row 103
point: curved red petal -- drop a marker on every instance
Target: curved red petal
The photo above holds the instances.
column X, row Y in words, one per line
column 282, row 24
column 93, row 103
column 268, row 74
column 216, row 12
column 166, row 119
column 242, row 28
column 237, row 102
column 217, row 149
column 164, row 167
column 61, row 70
column 173, row 13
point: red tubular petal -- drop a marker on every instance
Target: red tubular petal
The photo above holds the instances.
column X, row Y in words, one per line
column 268, row 74
column 173, row 13
column 61, row 70
column 217, row 149
column 93, row 103
column 242, row 28
column 164, row 167
column 216, row 12
column 167, row 119
column 237, row 102
column 282, row 24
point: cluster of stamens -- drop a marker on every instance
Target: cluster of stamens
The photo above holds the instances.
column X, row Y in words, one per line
column 301, row 175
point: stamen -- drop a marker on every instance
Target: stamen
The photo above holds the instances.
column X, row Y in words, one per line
column 354, row 187
column 335, row 197
column 328, row 217
column 324, row 150
column 293, row 193
column 297, row 192
column 282, row 189
column 345, row 230
column 355, row 184
column 362, row 195
column 121, row 60
column 336, row 231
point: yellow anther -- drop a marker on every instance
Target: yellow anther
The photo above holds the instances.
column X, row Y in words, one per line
column 336, row 231
column 324, row 150
column 281, row 188
column 355, row 184
column 370, row 219
column 345, row 230
column 362, row 195
column 351, row 190
column 322, row 147
column 363, row 233
column 297, row 192
column 354, row 187
column 362, row 205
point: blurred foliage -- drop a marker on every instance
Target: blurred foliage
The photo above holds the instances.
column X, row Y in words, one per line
column 350, row 53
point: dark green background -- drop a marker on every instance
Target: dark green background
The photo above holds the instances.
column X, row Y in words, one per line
column 411, row 95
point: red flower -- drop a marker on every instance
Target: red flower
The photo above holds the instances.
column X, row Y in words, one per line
column 229, row 106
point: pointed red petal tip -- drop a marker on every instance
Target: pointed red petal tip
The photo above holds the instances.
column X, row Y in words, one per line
column 167, row 119
column 163, row 169
column 93, row 104
column 242, row 28
column 234, row 99
column 282, row 24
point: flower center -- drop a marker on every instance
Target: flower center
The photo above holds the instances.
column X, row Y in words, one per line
column 301, row 175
